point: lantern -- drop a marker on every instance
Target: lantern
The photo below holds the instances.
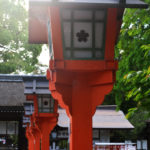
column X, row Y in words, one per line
column 44, row 117
column 81, row 35
column 38, row 94
column 45, row 104
column 26, row 120
column 29, row 108
column 78, row 30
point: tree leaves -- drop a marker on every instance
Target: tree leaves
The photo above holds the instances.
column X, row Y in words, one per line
column 132, row 88
column 16, row 55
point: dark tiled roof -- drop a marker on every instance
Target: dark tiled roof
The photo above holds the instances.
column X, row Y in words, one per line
column 10, row 78
column 107, row 107
column 105, row 117
column 19, row 78
column 16, row 109
column 12, row 88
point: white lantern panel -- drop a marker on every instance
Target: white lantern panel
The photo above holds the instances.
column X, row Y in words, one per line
column 82, row 35
column 100, row 15
column 29, row 109
column 39, row 101
column 66, row 14
column 24, row 125
column 99, row 28
column 67, row 33
column 46, row 105
column 68, row 53
column 82, row 54
column 98, row 54
column 26, row 119
column 82, row 15
column 52, row 103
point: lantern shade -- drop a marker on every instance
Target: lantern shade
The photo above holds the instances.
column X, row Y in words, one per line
column 26, row 120
column 29, row 108
column 83, row 31
column 24, row 125
column 95, row 3
column 45, row 104
column 39, row 14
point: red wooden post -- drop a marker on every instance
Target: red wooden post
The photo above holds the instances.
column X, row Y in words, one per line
column 30, row 138
column 44, row 117
column 44, row 122
column 36, row 133
column 46, row 125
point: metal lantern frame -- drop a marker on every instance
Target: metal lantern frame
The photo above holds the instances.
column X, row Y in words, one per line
column 46, row 104
column 26, row 121
column 92, row 21
column 37, row 92
column 29, row 108
column 46, row 26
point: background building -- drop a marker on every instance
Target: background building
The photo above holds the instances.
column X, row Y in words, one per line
column 12, row 135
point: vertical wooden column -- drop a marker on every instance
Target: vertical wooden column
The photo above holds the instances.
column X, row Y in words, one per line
column 46, row 125
column 37, row 136
column 45, row 141
column 81, row 117
column 30, row 139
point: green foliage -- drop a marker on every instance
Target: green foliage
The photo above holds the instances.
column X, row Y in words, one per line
column 137, row 118
column 14, row 139
column 132, row 90
column 133, row 52
column 16, row 55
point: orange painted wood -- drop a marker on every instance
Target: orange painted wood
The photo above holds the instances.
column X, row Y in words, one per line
column 41, row 126
column 56, row 32
column 29, row 97
column 38, row 17
column 46, row 125
column 111, row 32
column 81, row 116
column 83, row 65
column 79, row 95
column 30, row 138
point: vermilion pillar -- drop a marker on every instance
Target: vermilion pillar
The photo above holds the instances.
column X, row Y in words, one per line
column 37, row 137
column 41, row 125
column 46, row 124
column 80, row 96
column 81, row 118
column 38, row 132
column 81, row 85
column 30, row 138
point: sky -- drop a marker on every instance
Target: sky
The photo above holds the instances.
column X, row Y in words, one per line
column 44, row 56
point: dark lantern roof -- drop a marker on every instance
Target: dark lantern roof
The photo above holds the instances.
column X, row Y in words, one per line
column 96, row 3
column 12, row 88
column 36, row 85
column 19, row 78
